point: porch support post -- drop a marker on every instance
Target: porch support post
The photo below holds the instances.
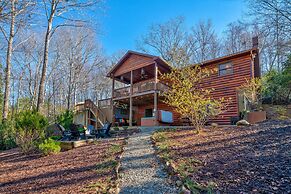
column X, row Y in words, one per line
column 130, row 98
column 156, row 95
column 112, row 106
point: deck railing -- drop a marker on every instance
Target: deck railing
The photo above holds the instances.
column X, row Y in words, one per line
column 121, row 92
column 79, row 107
column 104, row 102
column 139, row 88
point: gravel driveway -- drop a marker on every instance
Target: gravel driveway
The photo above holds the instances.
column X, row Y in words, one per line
column 140, row 170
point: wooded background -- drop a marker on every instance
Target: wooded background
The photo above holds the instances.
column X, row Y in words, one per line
column 51, row 56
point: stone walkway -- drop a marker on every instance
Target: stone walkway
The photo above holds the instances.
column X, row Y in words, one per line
column 140, row 170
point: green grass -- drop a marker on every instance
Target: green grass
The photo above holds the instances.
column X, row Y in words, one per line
column 115, row 148
column 116, row 128
column 195, row 187
column 159, row 136
column 106, row 165
column 102, row 186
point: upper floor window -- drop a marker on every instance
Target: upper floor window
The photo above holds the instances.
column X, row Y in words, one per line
column 225, row 69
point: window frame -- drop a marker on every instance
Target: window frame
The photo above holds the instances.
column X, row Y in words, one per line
column 145, row 112
column 227, row 70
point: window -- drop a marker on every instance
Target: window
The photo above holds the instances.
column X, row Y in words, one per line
column 148, row 113
column 225, row 69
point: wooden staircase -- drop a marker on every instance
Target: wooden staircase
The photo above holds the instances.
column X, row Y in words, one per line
column 98, row 113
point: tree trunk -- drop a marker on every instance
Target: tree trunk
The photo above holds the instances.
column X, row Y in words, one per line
column 54, row 100
column 70, row 87
column 8, row 63
column 40, row 99
column 18, row 92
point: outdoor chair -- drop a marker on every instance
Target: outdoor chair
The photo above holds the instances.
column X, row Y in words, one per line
column 66, row 133
column 104, row 131
column 74, row 133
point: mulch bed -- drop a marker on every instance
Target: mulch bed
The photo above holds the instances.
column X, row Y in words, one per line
column 73, row 171
column 255, row 159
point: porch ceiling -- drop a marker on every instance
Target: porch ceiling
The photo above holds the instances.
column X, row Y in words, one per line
column 149, row 73
column 137, row 75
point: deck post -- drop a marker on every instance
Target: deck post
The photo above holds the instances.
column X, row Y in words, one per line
column 156, row 95
column 112, row 106
column 130, row 98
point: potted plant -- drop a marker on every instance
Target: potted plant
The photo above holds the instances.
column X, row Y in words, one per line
column 252, row 90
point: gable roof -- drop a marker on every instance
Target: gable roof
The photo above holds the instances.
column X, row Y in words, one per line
column 227, row 57
column 128, row 54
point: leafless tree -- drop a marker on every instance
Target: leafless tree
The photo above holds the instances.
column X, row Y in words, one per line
column 14, row 16
column 273, row 17
column 28, row 59
column 237, row 38
column 169, row 40
column 76, row 59
column 205, row 41
column 179, row 46
column 58, row 9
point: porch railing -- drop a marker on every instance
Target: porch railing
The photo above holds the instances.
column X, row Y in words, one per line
column 104, row 102
column 121, row 92
column 139, row 88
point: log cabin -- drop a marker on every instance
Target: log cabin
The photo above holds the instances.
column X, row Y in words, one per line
column 139, row 102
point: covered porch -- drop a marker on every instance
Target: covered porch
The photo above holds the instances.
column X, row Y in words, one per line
column 146, row 111
column 138, row 74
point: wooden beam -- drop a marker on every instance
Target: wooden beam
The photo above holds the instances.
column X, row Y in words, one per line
column 156, row 95
column 112, row 105
column 130, row 98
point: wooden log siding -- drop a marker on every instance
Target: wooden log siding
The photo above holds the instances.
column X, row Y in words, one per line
column 226, row 85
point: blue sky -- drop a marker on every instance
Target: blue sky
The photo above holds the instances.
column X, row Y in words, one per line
column 124, row 21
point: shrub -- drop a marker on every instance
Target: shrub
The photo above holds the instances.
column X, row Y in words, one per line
column 65, row 119
column 29, row 130
column 189, row 99
column 278, row 85
column 252, row 90
column 49, row 146
column 56, row 137
column 7, row 135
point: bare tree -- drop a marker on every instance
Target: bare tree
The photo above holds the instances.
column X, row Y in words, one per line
column 76, row 59
column 237, row 38
column 205, row 41
column 57, row 9
column 273, row 17
column 169, row 40
column 13, row 10
column 8, row 62
column 173, row 43
column 28, row 59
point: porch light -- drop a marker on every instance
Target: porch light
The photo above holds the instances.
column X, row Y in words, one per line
column 142, row 71
column 143, row 74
